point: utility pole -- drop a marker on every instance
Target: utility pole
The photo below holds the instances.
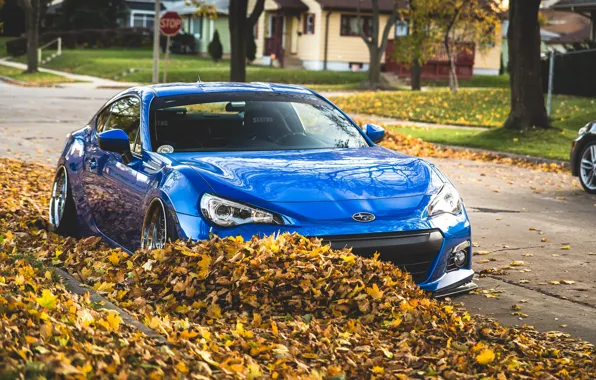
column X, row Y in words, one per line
column 155, row 78
column 551, row 74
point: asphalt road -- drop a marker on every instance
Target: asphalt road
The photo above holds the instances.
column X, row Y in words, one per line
column 543, row 223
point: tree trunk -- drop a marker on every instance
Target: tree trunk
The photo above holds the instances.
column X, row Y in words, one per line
column 374, row 68
column 31, row 9
column 452, row 71
column 237, row 25
column 415, row 75
column 527, row 97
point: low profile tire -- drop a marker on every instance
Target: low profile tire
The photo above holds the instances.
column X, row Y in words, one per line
column 587, row 168
column 63, row 213
column 158, row 228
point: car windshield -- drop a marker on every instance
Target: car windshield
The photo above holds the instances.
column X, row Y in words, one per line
column 244, row 121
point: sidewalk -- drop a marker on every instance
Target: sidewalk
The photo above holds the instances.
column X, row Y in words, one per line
column 84, row 81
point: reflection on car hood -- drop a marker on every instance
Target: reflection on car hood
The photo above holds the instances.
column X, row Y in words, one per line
column 310, row 175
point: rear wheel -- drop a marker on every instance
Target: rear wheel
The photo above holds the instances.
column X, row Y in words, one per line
column 63, row 215
column 157, row 227
column 587, row 168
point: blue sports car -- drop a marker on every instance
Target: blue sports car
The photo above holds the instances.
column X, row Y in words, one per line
column 183, row 161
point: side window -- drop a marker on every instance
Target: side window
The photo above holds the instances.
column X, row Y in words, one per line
column 102, row 120
column 125, row 114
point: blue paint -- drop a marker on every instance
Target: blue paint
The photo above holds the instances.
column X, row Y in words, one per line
column 315, row 191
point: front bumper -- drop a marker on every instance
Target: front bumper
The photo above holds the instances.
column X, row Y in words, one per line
column 420, row 247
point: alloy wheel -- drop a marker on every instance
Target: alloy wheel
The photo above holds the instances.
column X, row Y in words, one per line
column 59, row 197
column 155, row 229
column 588, row 167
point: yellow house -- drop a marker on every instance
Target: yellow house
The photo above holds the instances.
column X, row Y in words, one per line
column 324, row 35
column 316, row 34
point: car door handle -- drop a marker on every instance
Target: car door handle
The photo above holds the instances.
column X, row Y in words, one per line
column 92, row 164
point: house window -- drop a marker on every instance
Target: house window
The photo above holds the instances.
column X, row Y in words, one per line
column 350, row 25
column 142, row 20
column 401, row 28
column 309, row 23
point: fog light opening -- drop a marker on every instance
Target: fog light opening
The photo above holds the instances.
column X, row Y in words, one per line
column 459, row 258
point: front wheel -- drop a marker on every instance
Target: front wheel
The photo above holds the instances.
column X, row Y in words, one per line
column 63, row 214
column 157, row 227
column 587, row 168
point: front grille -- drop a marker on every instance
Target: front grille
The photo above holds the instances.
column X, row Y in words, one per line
column 413, row 252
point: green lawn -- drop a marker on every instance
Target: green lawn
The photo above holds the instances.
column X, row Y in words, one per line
column 488, row 107
column 109, row 63
column 35, row 78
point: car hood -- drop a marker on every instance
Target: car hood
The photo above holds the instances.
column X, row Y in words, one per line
column 311, row 175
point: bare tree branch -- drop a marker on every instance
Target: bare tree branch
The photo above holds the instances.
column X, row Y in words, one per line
column 256, row 12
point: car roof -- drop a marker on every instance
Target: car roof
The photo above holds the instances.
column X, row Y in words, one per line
column 173, row 89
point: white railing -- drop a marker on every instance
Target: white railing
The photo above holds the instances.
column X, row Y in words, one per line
column 58, row 41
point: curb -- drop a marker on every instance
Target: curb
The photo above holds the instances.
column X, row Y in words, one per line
column 75, row 286
column 535, row 160
column 26, row 84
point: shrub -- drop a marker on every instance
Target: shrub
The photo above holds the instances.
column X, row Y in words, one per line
column 215, row 49
column 183, row 43
column 16, row 47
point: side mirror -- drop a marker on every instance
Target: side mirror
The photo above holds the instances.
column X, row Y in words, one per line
column 114, row 140
column 374, row 132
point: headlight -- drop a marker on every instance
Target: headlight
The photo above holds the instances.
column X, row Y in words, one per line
column 228, row 213
column 447, row 200
column 585, row 129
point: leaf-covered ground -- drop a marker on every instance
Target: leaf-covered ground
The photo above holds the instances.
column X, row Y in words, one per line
column 487, row 107
column 276, row 307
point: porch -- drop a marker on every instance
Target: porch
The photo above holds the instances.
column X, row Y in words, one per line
column 281, row 32
column 438, row 66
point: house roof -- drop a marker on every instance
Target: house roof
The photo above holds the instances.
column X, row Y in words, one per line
column 564, row 22
column 575, row 5
column 297, row 5
column 364, row 5
column 580, row 35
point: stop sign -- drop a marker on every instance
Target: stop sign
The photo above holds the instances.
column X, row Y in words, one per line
column 170, row 24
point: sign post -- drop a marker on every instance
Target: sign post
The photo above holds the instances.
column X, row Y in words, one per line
column 169, row 25
column 155, row 77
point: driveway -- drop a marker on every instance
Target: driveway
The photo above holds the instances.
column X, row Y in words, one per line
column 540, row 227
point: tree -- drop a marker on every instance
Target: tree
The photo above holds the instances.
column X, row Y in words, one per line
column 376, row 47
column 240, row 27
column 215, row 49
column 527, row 97
column 32, row 9
column 464, row 21
column 91, row 14
column 251, row 46
column 445, row 25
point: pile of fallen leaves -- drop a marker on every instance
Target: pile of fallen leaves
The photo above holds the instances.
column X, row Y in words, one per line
column 415, row 146
column 282, row 306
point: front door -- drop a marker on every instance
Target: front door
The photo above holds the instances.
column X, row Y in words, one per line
column 112, row 184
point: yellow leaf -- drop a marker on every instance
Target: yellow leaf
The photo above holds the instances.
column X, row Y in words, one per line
column 47, row 299
column 274, row 329
column 374, row 292
column 114, row 258
column 104, row 287
column 181, row 367
column 214, row 311
column 485, row 357
column 378, row 370
column 348, row 259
